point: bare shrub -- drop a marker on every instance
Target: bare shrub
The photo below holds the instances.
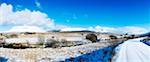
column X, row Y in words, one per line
column 2, row 44
column 13, row 36
column 55, row 43
column 112, row 37
column 66, row 43
column 91, row 37
column 52, row 43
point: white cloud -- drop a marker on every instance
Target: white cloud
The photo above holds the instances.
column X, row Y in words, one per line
column 121, row 30
column 133, row 30
column 24, row 17
column 37, row 3
column 5, row 11
column 73, row 29
column 126, row 29
column 18, row 7
column 104, row 29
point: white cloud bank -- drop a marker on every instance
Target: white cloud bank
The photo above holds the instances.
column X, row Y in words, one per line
column 24, row 17
column 36, row 18
column 127, row 29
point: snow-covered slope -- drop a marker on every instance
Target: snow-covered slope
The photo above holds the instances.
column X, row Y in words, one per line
column 26, row 29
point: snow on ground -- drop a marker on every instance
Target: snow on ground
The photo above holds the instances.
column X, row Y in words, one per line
column 50, row 54
column 129, row 51
column 132, row 51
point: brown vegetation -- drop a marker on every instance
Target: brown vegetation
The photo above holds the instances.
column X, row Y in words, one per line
column 91, row 37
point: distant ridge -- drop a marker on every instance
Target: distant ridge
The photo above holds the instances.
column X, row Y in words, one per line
column 146, row 34
column 80, row 31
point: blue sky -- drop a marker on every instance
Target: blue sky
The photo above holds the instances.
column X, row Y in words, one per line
column 85, row 13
